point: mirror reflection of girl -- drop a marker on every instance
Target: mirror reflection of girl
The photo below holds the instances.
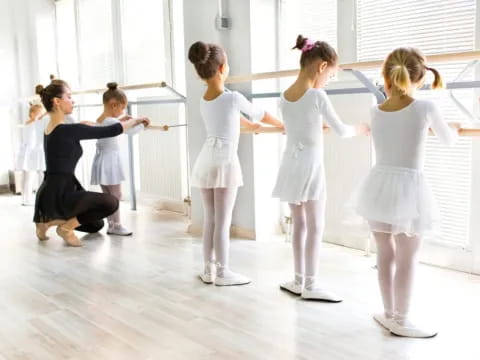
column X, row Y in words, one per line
column 31, row 158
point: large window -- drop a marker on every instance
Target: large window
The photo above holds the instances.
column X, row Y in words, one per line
column 147, row 55
column 67, row 42
column 315, row 19
column 97, row 65
column 101, row 40
column 434, row 26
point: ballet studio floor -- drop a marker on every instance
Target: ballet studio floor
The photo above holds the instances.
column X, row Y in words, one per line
column 139, row 298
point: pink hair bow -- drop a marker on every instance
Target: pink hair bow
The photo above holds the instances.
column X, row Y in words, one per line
column 309, row 45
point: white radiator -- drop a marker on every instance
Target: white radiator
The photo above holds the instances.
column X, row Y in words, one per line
column 162, row 156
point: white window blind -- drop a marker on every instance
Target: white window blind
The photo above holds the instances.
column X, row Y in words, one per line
column 434, row 26
column 315, row 19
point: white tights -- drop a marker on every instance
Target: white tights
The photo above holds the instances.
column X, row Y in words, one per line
column 217, row 216
column 308, row 224
column 115, row 190
column 396, row 262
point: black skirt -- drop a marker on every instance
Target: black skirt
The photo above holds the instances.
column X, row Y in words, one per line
column 57, row 196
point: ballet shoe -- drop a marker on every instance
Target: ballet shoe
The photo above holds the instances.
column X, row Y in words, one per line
column 68, row 236
column 42, row 228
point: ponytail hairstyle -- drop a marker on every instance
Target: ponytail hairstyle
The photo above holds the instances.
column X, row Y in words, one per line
column 114, row 93
column 206, row 58
column 56, row 89
column 313, row 51
column 406, row 66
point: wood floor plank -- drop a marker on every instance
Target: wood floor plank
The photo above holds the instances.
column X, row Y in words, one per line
column 140, row 298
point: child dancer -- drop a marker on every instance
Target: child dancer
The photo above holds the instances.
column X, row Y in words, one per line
column 301, row 178
column 217, row 169
column 395, row 198
column 31, row 157
column 107, row 167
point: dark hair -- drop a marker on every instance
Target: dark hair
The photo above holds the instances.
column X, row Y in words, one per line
column 206, row 58
column 38, row 89
column 56, row 89
column 312, row 51
column 115, row 93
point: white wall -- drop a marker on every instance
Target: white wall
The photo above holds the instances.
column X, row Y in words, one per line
column 347, row 161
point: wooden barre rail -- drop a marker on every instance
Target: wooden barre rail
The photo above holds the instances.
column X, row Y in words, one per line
column 475, row 132
column 461, row 56
column 127, row 87
column 448, row 57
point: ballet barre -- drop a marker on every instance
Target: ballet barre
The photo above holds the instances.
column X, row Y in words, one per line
column 179, row 99
column 473, row 132
column 364, row 65
column 164, row 127
column 162, row 84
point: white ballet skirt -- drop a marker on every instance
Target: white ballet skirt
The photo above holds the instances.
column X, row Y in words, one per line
column 107, row 166
column 31, row 155
column 395, row 196
column 218, row 165
column 301, row 176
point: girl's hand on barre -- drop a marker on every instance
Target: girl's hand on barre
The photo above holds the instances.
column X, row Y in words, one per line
column 126, row 118
column 271, row 120
column 363, row 129
column 144, row 120
column 247, row 124
column 128, row 124
column 326, row 128
column 255, row 126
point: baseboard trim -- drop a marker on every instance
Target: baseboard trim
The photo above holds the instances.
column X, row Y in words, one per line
column 170, row 205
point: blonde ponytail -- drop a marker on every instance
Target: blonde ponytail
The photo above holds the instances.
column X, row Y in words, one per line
column 400, row 78
column 406, row 66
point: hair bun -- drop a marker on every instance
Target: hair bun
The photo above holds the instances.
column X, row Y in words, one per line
column 38, row 89
column 301, row 41
column 52, row 77
column 112, row 86
column 199, row 53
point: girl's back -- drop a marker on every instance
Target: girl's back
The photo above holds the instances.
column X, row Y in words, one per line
column 399, row 136
column 221, row 115
column 304, row 118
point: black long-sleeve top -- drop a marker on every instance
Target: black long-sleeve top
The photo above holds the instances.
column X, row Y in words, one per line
column 62, row 145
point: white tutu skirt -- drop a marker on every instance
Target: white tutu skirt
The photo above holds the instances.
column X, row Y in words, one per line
column 30, row 159
column 217, row 165
column 301, row 176
column 107, row 168
column 397, row 200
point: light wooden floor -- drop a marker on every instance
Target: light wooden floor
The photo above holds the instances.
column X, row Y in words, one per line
column 139, row 298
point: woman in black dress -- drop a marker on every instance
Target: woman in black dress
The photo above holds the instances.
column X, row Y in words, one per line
column 61, row 200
